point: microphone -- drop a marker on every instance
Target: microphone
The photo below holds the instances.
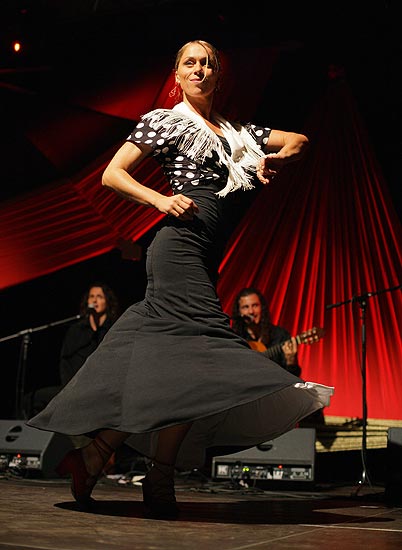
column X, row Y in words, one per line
column 91, row 310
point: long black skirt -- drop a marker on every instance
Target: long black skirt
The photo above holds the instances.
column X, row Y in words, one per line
column 173, row 358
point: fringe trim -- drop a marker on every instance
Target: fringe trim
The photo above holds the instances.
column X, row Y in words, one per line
column 197, row 141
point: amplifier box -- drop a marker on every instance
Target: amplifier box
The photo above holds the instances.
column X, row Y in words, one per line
column 290, row 458
column 30, row 452
column 393, row 481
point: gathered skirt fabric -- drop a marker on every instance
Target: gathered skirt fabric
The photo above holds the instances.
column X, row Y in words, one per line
column 173, row 358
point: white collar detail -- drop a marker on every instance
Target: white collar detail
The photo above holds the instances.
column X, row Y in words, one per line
column 198, row 141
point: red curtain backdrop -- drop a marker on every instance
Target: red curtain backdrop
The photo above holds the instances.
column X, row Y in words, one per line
column 72, row 221
column 324, row 233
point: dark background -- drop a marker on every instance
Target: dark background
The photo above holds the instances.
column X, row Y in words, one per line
column 72, row 45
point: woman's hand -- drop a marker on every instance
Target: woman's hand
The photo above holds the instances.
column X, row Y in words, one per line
column 269, row 166
column 282, row 148
column 179, row 206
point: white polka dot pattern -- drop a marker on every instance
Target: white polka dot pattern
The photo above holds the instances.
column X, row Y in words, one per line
column 180, row 170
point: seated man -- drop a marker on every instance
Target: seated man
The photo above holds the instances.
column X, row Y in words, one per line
column 252, row 321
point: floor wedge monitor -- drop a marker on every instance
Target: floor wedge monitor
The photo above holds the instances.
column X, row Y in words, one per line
column 290, row 458
column 30, row 452
column 393, row 481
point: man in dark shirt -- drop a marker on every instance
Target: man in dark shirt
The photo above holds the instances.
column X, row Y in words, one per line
column 251, row 320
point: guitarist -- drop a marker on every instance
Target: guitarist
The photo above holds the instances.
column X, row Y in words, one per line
column 251, row 320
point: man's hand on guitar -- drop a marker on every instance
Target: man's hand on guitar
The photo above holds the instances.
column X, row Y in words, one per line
column 289, row 349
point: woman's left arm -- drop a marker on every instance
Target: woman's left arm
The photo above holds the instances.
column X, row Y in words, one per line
column 282, row 148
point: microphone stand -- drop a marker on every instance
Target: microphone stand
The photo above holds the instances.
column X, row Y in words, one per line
column 362, row 301
column 23, row 360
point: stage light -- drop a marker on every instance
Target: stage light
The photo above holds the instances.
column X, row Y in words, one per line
column 16, row 46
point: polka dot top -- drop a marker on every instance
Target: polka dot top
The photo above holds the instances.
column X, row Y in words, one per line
column 183, row 172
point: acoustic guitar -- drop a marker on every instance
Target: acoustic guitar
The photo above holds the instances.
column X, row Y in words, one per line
column 308, row 337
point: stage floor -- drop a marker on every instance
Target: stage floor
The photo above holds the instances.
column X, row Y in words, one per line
column 41, row 514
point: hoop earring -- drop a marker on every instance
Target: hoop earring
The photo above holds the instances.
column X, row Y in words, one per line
column 175, row 91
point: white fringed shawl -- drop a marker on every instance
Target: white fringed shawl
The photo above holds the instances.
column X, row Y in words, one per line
column 197, row 141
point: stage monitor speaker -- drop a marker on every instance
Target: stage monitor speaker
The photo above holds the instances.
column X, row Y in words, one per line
column 393, row 472
column 290, row 458
column 31, row 452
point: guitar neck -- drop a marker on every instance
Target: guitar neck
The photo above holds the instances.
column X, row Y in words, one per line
column 275, row 350
column 308, row 337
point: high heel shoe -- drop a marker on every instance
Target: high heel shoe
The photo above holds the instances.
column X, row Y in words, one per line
column 83, row 482
column 158, row 492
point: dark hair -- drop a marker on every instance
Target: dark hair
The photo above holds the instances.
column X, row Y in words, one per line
column 239, row 326
column 112, row 302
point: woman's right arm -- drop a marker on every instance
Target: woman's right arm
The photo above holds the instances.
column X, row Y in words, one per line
column 117, row 176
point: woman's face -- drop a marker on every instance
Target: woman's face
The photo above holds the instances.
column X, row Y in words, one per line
column 97, row 299
column 195, row 72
